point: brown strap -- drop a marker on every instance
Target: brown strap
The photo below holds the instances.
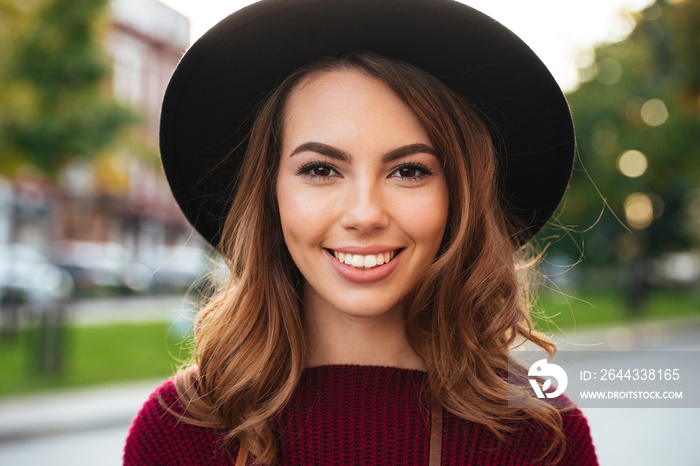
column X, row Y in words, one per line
column 435, row 457
column 242, row 457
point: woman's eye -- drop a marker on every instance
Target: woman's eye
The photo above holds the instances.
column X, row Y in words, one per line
column 411, row 171
column 317, row 170
column 321, row 171
column 408, row 172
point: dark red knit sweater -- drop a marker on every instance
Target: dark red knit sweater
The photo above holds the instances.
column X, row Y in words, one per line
column 349, row 415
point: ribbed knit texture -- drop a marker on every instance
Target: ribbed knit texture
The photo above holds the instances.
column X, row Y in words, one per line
column 364, row 415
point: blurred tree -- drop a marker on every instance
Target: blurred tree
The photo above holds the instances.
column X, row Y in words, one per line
column 52, row 73
column 637, row 117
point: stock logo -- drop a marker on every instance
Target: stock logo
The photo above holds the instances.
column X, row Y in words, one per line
column 542, row 368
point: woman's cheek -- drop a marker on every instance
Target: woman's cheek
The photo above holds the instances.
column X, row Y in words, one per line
column 304, row 215
column 424, row 215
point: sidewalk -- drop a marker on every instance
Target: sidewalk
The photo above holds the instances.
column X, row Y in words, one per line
column 34, row 426
column 131, row 309
column 60, row 413
column 77, row 428
column 84, row 426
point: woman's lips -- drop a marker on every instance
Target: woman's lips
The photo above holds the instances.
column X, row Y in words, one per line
column 361, row 268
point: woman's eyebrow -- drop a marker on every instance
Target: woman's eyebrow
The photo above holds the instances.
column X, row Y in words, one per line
column 404, row 151
column 335, row 153
column 323, row 149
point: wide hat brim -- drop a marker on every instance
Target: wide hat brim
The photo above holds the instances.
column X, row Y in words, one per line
column 210, row 102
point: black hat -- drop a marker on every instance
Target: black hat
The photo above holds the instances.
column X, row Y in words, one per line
column 210, row 102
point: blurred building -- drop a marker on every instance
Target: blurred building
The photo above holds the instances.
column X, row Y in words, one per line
column 146, row 43
column 113, row 211
column 121, row 196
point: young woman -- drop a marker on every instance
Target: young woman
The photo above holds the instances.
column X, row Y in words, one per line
column 371, row 172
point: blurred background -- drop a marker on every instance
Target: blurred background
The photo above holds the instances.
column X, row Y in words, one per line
column 97, row 264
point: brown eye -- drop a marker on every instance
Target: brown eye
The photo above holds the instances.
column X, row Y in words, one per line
column 411, row 172
column 408, row 172
column 317, row 170
column 321, row 171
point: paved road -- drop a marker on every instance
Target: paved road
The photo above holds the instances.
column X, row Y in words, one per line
column 79, row 428
column 648, row 437
column 102, row 447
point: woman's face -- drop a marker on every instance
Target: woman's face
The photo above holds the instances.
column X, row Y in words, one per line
column 362, row 197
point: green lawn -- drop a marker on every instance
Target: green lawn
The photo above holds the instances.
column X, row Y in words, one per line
column 92, row 355
column 120, row 353
column 594, row 308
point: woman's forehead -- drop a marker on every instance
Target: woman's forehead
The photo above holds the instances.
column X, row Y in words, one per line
column 351, row 109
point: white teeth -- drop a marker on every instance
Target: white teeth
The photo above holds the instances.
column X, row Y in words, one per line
column 364, row 262
column 358, row 260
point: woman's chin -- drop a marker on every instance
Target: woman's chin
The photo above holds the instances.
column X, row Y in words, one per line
column 367, row 307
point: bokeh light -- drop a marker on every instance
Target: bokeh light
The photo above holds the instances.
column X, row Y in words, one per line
column 627, row 246
column 632, row 163
column 654, row 112
column 609, row 71
column 639, row 210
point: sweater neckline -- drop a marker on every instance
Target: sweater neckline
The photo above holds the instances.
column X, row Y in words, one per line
column 362, row 368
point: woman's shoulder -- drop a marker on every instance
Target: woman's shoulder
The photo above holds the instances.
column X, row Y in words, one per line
column 579, row 443
column 160, row 434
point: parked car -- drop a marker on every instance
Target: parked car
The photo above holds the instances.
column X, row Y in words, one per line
column 96, row 266
column 176, row 268
column 27, row 277
column 111, row 266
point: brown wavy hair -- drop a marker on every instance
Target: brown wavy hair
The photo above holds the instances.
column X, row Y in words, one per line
column 464, row 313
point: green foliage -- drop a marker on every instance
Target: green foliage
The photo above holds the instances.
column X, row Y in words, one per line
column 612, row 112
column 52, row 85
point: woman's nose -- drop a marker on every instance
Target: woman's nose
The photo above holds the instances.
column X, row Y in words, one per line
column 364, row 208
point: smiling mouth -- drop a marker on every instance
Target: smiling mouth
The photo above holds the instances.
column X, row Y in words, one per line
column 365, row 262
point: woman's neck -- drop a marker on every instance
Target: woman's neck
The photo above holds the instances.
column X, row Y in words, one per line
column 334, row 337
